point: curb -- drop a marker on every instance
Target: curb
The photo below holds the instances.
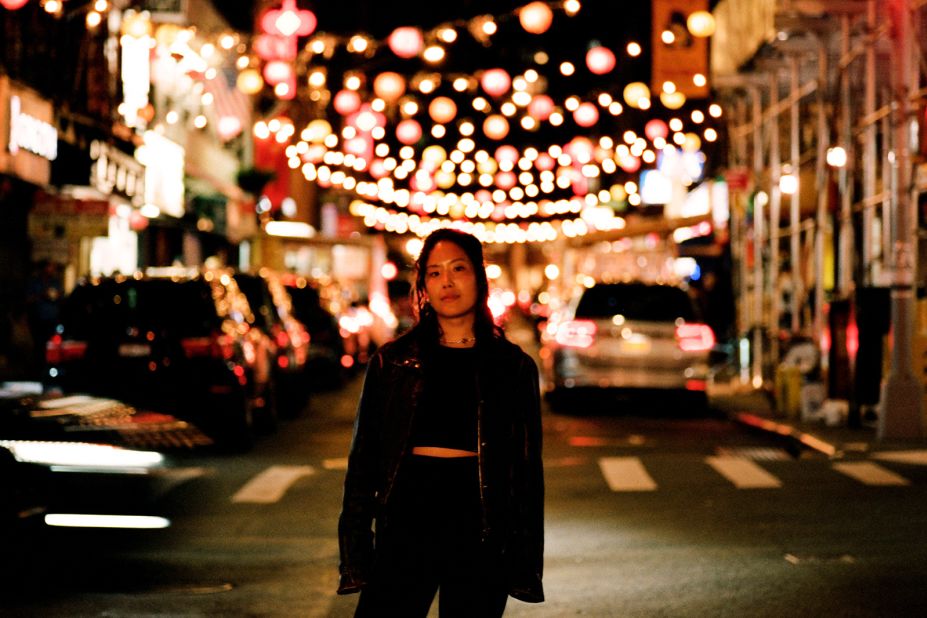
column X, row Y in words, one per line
column 797, row 438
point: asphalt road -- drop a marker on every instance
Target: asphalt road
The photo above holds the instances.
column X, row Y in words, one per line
column 647, row 515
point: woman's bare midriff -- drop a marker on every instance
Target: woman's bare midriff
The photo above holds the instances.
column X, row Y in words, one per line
column 440, row 451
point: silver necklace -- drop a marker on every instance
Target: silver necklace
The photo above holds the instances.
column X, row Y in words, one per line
column 461, row 340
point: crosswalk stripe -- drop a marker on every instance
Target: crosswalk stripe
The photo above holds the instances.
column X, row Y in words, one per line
column 743, row 473
column 270, row 485
column 335, row 463
column 626, row 474
column 918, row 457
column 870, row 473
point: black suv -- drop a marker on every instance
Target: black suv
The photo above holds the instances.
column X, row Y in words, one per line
column 273, row 314
column 181, row 344
column 327, row 363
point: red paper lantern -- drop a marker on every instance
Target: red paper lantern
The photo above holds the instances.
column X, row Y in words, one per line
column 137, row 221
column 277, row 71
column 288, row 20
column 346, row 102
column 507, row 153
column 495, row 82
column 586, row 115
column 273, row 47
column 408, row 131
column 656, row 128
column 357, row 146
column 629, row 163
column 581, row 149
column 545, row 162
column 389, row 86
column 541, row 107
column 536, row 17
column 378, row 169
column 506, row 180
column 495, row 126
column 600, row 60
column 422, row 181
column 442, row 110
column 315, row 154
column 406, row 42
column 13, row 4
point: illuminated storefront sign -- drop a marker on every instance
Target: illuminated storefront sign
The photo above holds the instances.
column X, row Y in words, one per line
column 30, row 133
column 164, row 171
column 116, row 173
column 28, row 138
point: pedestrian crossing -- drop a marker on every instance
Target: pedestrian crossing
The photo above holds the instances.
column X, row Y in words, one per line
column 742, row 469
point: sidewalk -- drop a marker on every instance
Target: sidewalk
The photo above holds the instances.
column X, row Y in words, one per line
column 754, row 409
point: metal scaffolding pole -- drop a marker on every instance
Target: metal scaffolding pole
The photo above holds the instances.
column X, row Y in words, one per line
column 759, row 233
column 902, row 393
column 821, row 187
column 775, row 205
column 738, row 221
column 870, row 157
column 798, row 283
column 845, row 281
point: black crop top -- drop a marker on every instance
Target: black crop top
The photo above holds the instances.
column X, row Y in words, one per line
column 447, row 415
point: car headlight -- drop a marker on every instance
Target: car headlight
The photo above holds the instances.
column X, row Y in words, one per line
column 83, row 456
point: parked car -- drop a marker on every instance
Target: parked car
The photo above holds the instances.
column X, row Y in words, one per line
column 53, row 477
column 633, row 336
column 273, row 314
column 327, row 363
column 181, row 343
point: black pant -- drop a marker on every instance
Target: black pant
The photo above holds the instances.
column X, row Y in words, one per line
column 430, row 540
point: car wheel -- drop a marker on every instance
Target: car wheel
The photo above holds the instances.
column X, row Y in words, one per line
column 237, row 432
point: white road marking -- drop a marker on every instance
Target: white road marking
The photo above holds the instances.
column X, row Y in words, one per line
column 918, row 457
column 870, row 473
column 626, row 474
column 270, row 485
column 743, row 473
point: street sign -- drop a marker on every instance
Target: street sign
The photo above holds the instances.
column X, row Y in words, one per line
column 737, row 178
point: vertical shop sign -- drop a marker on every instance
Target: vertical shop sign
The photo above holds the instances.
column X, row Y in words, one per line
column 686, row 55
column 28, row 139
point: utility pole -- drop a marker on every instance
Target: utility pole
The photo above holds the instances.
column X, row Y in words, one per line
column 902, row 393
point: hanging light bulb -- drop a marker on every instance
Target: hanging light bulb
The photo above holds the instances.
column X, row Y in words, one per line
column 701, row 24
column 536, row 17
column 53, row 7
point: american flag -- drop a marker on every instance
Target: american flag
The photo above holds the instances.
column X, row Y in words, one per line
column 231, row 108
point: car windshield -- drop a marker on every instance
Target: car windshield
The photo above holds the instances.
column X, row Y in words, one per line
column 636, row 301
column 185, row 308
column 255, row 290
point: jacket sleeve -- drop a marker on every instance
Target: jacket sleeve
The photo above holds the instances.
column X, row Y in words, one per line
column 526, row 539
column 355, row 525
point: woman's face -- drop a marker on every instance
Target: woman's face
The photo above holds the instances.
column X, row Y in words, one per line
column 450, row 281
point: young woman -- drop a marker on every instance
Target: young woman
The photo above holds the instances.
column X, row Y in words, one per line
column 446, row 456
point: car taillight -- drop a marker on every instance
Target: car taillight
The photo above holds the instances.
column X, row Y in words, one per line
column 576, row 333
column 695, row 337
column 59, row 350
column 218, row 346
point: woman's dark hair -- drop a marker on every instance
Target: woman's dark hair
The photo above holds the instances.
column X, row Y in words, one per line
column 426, row 326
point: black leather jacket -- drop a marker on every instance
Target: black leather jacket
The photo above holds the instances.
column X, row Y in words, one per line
column 509, row 448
